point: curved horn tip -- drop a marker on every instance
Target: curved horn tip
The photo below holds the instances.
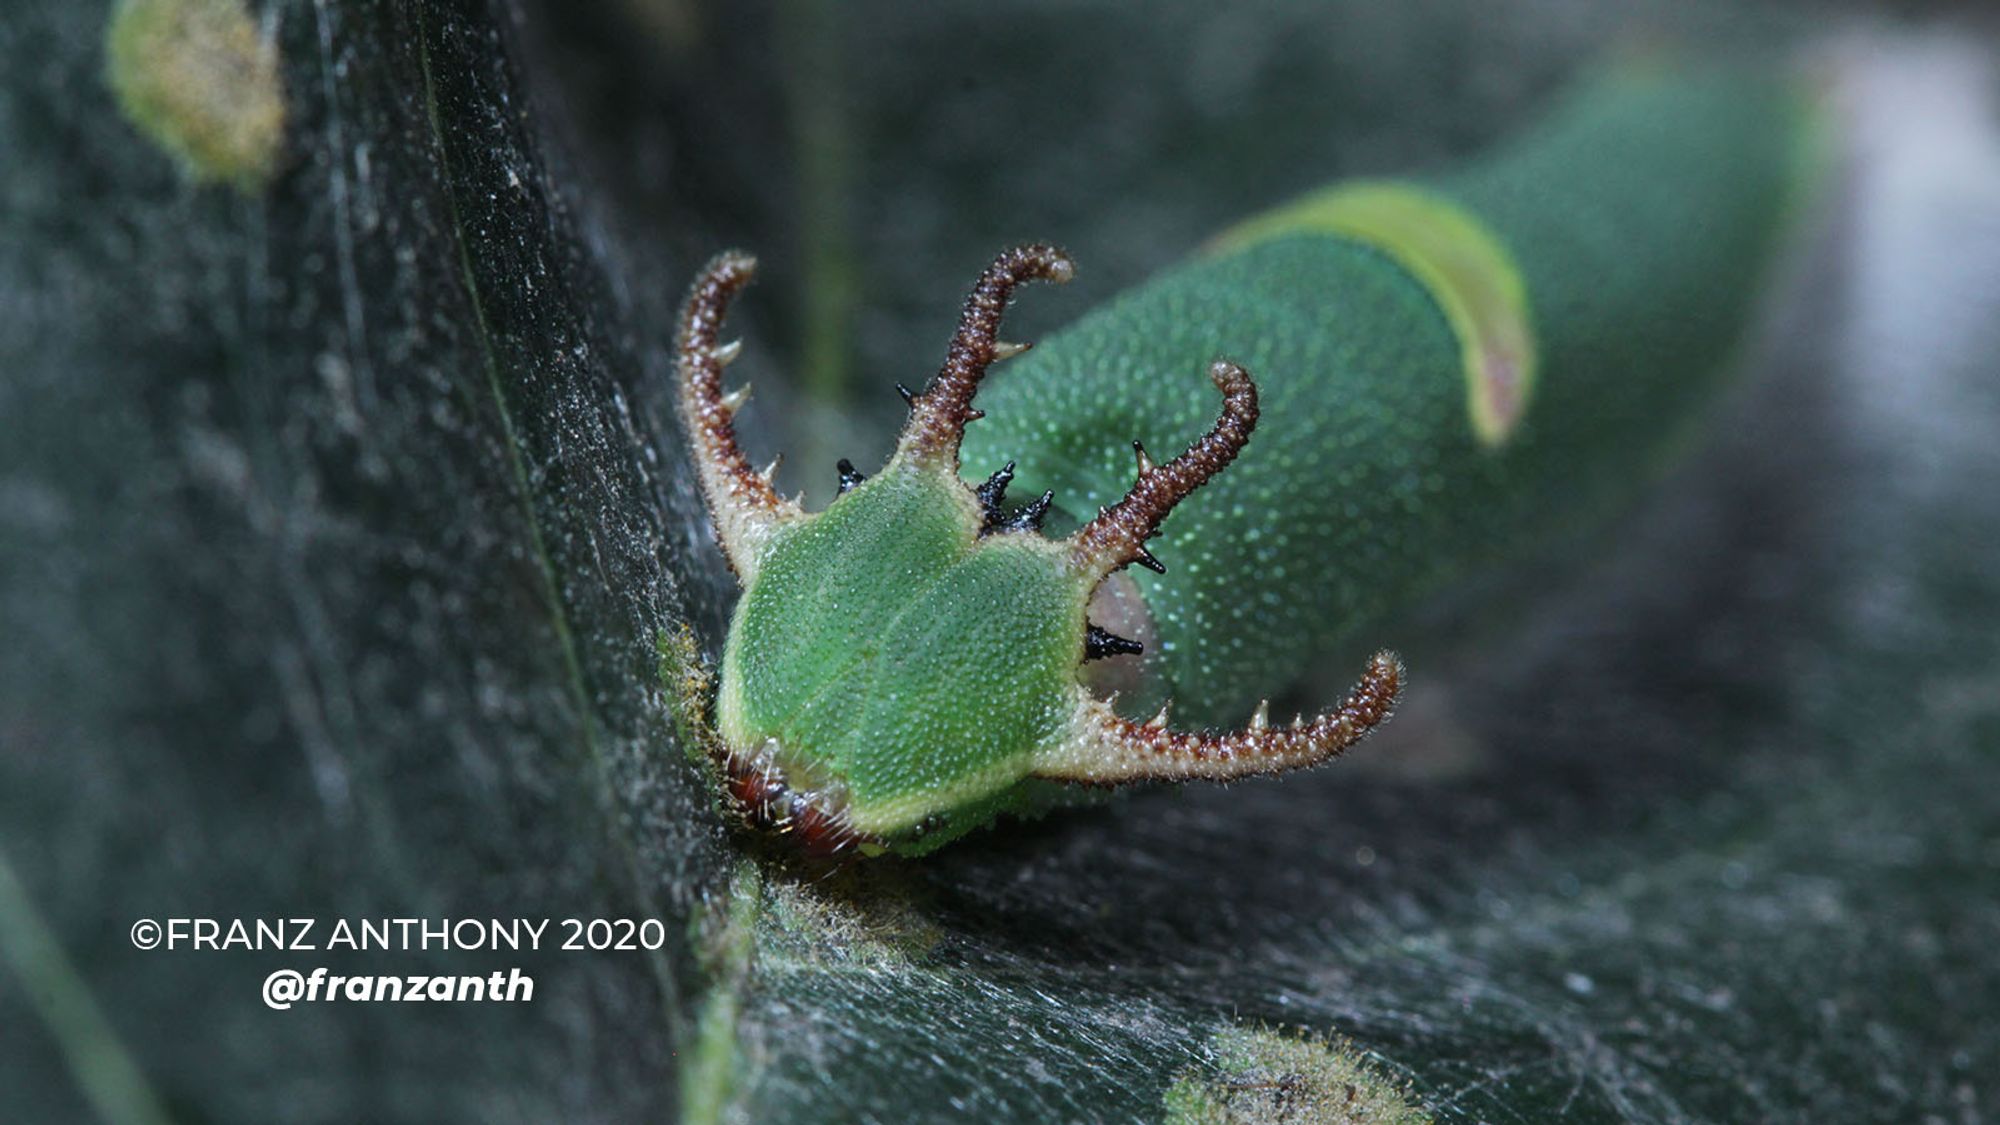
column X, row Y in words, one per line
column 1383, row 680
column 733, row 269
column 1393, row 665
column 1118, row 534
column 707, row 302
column 1031, row 261
column 939, row 413
column 1044, row 260
column 741, row 502
column 1390, row 665
column 1228, row 375
column 734, row 261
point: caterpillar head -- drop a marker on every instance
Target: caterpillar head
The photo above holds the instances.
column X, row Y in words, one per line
column 903, row 666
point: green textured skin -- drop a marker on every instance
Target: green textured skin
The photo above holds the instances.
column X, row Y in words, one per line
column 1641, row 216
column 892, row 650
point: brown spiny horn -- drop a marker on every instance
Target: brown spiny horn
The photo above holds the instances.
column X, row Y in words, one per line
column 938, row 415
column 1118, row 535
column 1102, row 748
column 744, row 506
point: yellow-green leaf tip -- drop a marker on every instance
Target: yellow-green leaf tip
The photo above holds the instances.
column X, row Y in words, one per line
column 199, row 79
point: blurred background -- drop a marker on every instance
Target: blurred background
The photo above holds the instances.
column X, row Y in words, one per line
column 342, row 511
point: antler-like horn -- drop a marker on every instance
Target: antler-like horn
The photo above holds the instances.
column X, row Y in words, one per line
column 744, row 506
column 1118, row 535
column 938, row 415
column 1104, row 749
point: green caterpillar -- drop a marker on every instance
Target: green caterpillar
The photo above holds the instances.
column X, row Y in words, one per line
column 1446, row 372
